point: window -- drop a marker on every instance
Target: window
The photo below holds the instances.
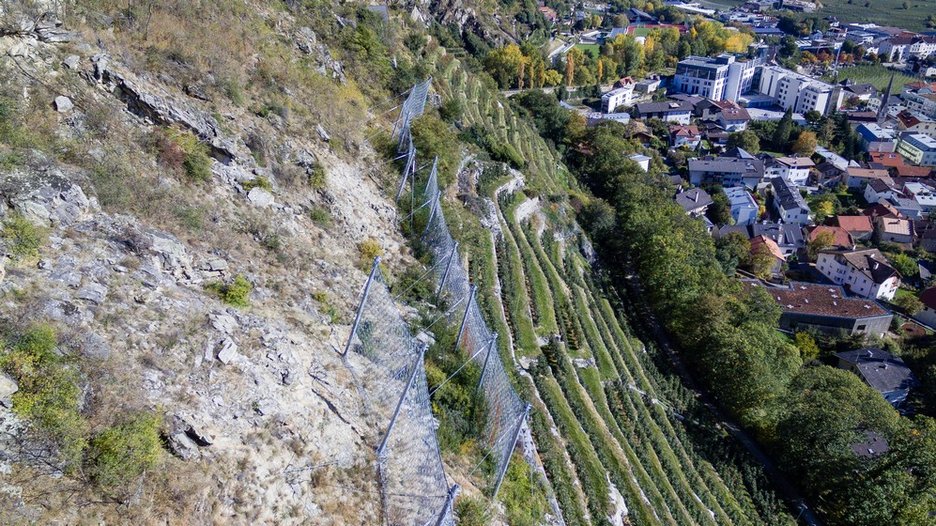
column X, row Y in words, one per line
column 861, row 327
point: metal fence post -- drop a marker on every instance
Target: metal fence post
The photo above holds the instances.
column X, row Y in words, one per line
column 461, row 329
column 449, row 499
column 410, row 161
column 448, row 267
column 357, row 316
column 513, row 444
column 432, row 213
column 396, row 412
column 487, row 358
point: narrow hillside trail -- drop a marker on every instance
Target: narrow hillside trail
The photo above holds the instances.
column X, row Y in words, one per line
column 653, row 331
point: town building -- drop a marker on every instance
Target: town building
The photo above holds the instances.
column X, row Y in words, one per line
column 918, row 148
column 826, row 309
column 788, row 204
column 642, row 160
column 799, row 92
column 763, row 244
column 687, row 136
column 924, row 195
column 874, row 138
column 726, row 171
column 796, row 169
column 669, row 111
column 927, row 316
column 856, row 177
column 617, row 98
column 864, row 272
column 877, row 189
column 859, row 228
column 894, row 230
column 840, row 238
column 731, row 117
column 884, row 372
column 717, row 78
column 908, row 121
column 744, row 209
column 694, row 201
column 920, row 98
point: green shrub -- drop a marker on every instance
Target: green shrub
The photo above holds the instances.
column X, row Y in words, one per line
column 369, row 249
column 22, row 238
column 523, row 498
column 120, row 454
column 49, row 391
column 259, row 182
column 471, row 511
column 325, row 305
column 318, row 178
column 236, row 293
column 320, row 216
column 196, row 160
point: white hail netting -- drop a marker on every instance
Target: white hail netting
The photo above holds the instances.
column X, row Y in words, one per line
column 412, row 475
column 412, row 108
column 504, row 407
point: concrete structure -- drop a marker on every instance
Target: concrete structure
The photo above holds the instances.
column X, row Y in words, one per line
column 908, row 121
column 616, row 98
column 798, row 92
column 918, row 148
column 924, row 195
column 894, row 230
column 824, row 308
column 726, row 171
column 865, row 272
column 724, row 77
column 927, row 316
column 875, row 138
column 743, row 206
column 641, row 160
column 883, row 371
column 788, row 204
column 921, row 99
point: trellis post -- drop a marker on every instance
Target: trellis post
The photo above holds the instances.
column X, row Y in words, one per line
column 461, row 329
column 449, row 499
column 396, row 412
column 448, row 266
column 357, row 316
column 513, row 444
column 487, row 358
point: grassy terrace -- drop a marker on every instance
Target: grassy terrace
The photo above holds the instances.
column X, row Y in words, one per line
column 604, row 414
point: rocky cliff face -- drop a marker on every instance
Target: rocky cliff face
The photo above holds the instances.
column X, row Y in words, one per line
column 256, row 402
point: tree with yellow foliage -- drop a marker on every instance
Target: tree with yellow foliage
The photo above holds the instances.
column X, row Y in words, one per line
column 570, row 68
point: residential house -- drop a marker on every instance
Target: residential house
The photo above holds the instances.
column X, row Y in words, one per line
column 877, row 189
column 642, row 160
column 763, row 244
column 874, row 138
column 788, row 204
column 726, row 171
column 687, row 136
column 617, row 98
column 918, row 148
column 694, row 201
column 901, row 48
column 858, row 177
column 897, row 166
column 796, row 169
column 826, row 309
column 925, row 231
column 858, row 227
column 923, row 194
column 927, row 316
column 671, row 111
column 859, row 92
column 788, row 237
column 829, row 175
column 893, row 230
column 648, row 85
column 910, row 122
column 840, row 238
column 714, row 134
column 883, row 371
column 594, row 118
column 863, row 272
column 731, row 117
column 907, row 206
column 920, row 98
column 744, row 209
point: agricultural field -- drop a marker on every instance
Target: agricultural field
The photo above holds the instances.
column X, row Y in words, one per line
column 876, row 75
column 882, row 12
column 614, row 430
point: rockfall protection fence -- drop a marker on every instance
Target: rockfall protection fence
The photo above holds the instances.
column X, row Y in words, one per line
column 413, row 107
column 413, row 485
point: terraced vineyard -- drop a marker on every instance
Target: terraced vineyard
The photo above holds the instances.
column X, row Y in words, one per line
column 613, row 431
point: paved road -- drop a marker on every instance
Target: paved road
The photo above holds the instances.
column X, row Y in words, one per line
column 782, row 483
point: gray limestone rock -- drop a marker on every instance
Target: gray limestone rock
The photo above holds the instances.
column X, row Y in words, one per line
column 183, row 447
column 8, row 386
column 71, row 61
column 222, row 322
column 228, row 352
column 92, row 292
column 63, row 104
column 260, row 197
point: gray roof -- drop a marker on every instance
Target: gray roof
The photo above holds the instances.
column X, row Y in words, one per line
column 727, row 165
column 785, row 234
column 787, row 196
column 676, row 106
column 693, row 199
column 880, row 369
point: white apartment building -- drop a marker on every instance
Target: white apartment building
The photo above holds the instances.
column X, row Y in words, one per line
column 799, row 92
column 795, row 169
column 616, row 98
column 703, row 76
column 865, row 273
column 921, row 100
column 918, row 148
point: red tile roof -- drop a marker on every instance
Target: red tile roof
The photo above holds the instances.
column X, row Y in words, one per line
column 928, row 297
column 824, row 300
column 859, row 224
column 840, row 236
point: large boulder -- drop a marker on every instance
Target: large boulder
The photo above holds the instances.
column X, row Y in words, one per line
column 8, row 386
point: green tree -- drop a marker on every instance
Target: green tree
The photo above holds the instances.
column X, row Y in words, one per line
column 807, row 346
column 120, row 454
column 746, row 140
column 730, row 250
column 719, row 212
column 781, row 136
column 822, row 241
column 906, row 265
column 909, row 304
